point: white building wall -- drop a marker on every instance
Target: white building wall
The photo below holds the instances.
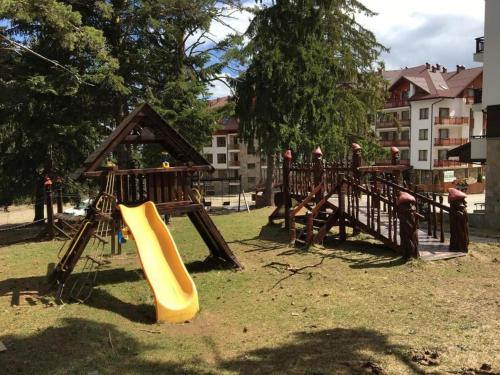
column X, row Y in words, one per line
column 491, row 71
column 416, row 143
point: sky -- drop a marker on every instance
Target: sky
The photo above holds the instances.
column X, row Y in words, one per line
column 415, row 31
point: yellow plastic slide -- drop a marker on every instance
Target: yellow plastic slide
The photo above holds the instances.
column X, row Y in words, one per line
column 175, row 294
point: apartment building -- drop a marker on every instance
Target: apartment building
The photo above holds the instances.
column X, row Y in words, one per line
column 232, row 158
column 488, row 53
column 429, row 112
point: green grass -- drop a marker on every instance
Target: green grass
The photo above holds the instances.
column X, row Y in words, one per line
column 362, row 305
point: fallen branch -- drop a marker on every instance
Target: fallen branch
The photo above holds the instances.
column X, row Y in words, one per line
column 292, row 270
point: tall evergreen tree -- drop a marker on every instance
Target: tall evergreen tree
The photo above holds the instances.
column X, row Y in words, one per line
column 311, row 81
column 89, row 64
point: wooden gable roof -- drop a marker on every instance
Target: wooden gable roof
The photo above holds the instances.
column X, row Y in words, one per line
column 144, row 125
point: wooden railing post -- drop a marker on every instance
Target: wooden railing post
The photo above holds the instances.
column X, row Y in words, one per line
column 59, row 197
column 318, row 173
column 459, row 223
column 309, row 227
column 407, row 211
column 287, row 163
column 342, row 225
column 395, row 160
column 356, row 161
column 50, row 208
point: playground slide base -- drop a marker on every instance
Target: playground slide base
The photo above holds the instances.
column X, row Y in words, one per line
column 176, row 298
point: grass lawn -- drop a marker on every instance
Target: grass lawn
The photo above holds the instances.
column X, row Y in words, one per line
column 358, row 309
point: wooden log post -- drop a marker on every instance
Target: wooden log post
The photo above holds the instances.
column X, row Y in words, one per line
column 356, row 161
column 395, row 160
column 59, row 197
column 459, row 223
column 50, row 209
column 318, row 172
column 341, row 208
column 407, row 211
column 287, row 163
column 309, row 228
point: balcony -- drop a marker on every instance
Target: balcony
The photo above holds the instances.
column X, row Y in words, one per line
column 450, row 141
column 478, row 56
column 234, row 163
column 451, row 120
column 234, row 147
column 395, row 142
column 448, row 163
column 392, row 124
column 396, row 103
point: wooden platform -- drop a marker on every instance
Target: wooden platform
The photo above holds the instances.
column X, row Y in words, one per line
column 429, row 248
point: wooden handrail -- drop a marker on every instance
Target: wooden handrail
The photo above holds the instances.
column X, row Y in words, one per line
column 310, row 197
column 323, row 201
column 121, row 172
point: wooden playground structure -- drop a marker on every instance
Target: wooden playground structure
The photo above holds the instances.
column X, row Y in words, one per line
column 168, row 187
column 372, row 199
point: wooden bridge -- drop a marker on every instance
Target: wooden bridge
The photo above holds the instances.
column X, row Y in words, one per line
column 316, row 197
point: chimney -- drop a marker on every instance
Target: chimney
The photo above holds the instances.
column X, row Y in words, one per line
column 438, row 66
column 433, row 69
column 445, row 70
column 458, row 68
column 427, row 66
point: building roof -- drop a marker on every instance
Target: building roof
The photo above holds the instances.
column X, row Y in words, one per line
column 433, row 81
column 143, row 125
column 219, row 102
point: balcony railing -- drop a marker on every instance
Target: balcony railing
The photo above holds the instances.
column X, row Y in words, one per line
column 234, row 163
column 389, row 162
column 451, row 120
column 480, row 44
column 391, row 124
column 234, row 147
column 450, row 141
column 448, row 163
column 395, row 142
column 396, row 103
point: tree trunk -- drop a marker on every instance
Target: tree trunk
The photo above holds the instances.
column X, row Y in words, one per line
column 268, row 192
column 39, row 199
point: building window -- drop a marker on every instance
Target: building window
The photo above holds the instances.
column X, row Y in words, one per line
column 423, row 134
column 405, row 115
column 221, row 141
column 252, row 180
column 422, row 155
column 405, row 135
column 221, row 158
column 442, row 154
column 210, row 158
column 251, row 149
column 405, row 154
column 444, row 112
column 444, row 133
column 251, row 166
column 222, row 173
column 424, row 113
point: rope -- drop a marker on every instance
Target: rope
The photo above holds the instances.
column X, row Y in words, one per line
column 21, row 226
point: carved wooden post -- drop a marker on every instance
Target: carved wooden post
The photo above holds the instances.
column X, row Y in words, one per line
column 356, row 161
column 59, row 198
column 309, row 228
column 459, row 223
column 287, row 163
column 395, row 160
column 342, row 229
column 50, row 208
column 407, row 210
column 318, row 172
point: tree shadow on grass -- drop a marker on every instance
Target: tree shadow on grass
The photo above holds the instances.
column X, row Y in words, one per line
column 270, row 238
column 83, row 346
column 332, row 351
